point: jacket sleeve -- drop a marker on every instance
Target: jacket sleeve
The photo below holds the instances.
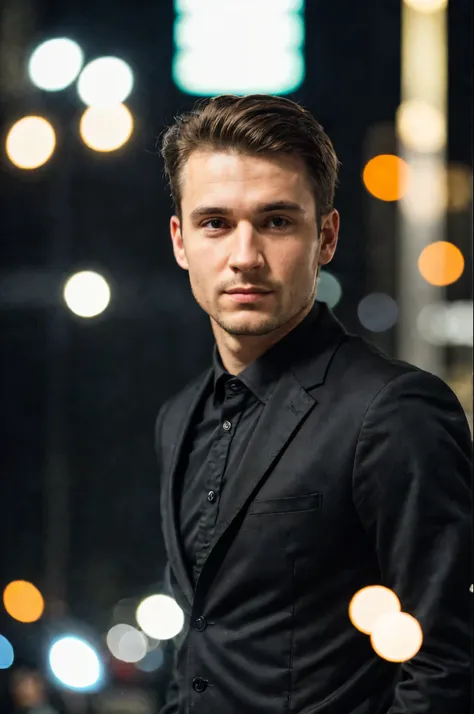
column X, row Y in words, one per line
column 171, row 705
column 412, row 490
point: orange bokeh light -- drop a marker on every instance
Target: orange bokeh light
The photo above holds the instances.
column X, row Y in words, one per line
column 370, row 604
column 386, row 177
column 441, row 263
column 23, row 601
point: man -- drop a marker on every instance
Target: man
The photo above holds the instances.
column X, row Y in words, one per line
column 304, row 464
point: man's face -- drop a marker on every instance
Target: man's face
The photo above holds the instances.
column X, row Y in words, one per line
column 234, row 234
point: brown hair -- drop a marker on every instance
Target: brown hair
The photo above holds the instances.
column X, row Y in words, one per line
column 253, row 124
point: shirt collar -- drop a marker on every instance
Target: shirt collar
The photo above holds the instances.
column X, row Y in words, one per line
column 261, row 376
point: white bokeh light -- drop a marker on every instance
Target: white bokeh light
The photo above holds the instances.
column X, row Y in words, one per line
column 75, row 663
column 87, row 294
column 105, row 81
column 55, row 64
column 127, row 643
column 421, row 126
column 447, row 323
column 160, row 617
column 249, row 60
column 133, row 646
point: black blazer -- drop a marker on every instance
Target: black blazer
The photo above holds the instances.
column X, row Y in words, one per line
column 358, row 473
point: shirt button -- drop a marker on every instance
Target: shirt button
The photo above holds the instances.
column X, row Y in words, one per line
column 211, row 496
column 234, row 386
column 199, row 684
column 200, row 623
column 226, row 425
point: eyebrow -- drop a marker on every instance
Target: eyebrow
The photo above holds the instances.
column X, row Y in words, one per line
column 260, row 208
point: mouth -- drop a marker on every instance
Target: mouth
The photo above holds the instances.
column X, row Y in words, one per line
column 248, row 296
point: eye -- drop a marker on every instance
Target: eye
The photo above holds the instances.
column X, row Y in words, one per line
column 279, row 222
column 214, row 224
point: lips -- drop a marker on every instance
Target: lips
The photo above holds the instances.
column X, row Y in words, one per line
column 250, row 291
column 244, row 297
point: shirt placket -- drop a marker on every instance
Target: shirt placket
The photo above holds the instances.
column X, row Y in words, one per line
column 231, row 413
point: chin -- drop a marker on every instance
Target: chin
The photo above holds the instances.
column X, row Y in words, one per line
column 248, row 323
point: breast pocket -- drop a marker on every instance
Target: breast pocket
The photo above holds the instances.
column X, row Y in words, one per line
column 288, row 504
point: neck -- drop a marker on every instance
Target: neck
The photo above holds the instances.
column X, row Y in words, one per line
column 238, row 351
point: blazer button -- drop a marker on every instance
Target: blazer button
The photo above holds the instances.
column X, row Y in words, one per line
column 199, row 684
column 200, row 623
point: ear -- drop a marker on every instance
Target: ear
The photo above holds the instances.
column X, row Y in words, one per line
column 178, row 245
column 329, row 237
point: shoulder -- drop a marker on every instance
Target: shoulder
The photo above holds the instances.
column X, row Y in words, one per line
column 378, row 389
column 378, row 374
column 403, row 404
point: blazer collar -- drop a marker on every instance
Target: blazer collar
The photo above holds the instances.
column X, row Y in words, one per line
column 299, row 347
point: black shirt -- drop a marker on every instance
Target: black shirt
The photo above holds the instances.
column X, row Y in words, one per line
column 219, row 435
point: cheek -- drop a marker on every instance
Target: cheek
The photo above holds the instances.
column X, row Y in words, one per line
column 200, row 271
column 300, row 261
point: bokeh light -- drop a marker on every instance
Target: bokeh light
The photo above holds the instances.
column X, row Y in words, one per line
column 329, row 289
column 105, row 81
column 152, row 661
column 160, row 617
column 126, row 643
column 273, row 61
column 30, row 142
column 370, row 604
column 55, row 64
column 386, row 177
column 114, row 635
column 124, row 611
column 434, row 190
column 459, row 180
column 133, row 646
column 153, row 643
column 427, row 6
column 396, row 637
column 441, row 263
column 377, row 312
column 87, row 294
column 447, row 323
column 427, row 198
column 6, row 653
column 23, row 601
column 75, row 664
column 421, row 126
column 106, row 128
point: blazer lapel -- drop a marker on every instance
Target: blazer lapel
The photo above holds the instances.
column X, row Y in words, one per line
column 287, row 407
column 172, row 527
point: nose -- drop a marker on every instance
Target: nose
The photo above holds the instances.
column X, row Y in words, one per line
column 246, row 251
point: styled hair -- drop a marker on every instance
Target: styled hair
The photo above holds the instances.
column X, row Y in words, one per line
column 256, row 124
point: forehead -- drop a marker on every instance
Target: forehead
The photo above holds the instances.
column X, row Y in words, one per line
column 238, row 180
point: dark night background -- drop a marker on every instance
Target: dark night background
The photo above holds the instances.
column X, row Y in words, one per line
column 86, row 392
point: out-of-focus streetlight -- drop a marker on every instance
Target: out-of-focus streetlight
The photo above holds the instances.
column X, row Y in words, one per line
column 55, row 64
column 106, row 81
column 30, row 142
